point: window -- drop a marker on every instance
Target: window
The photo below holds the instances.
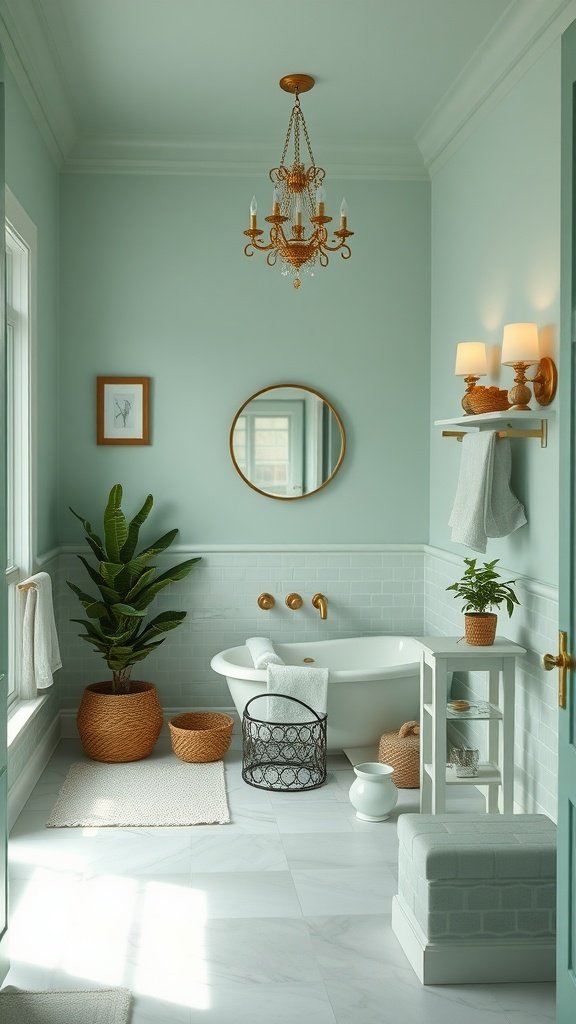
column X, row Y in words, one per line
column 20, row 274
column 268, row 445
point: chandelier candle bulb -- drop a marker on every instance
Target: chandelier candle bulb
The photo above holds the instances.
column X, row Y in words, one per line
column 275, row 203
column 343, row 214
column 253, row 209
column 320, row 201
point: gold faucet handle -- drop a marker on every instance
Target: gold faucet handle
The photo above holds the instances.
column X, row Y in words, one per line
column 294, row 601
column 266, row 602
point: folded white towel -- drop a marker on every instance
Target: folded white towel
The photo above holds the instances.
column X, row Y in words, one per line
column 262, row 651
column 484, row 505
column 301, row 681
column 40, row 655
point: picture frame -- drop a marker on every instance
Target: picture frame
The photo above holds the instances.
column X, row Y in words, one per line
column 123, row 410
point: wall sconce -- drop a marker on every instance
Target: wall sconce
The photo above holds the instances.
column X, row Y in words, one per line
column 520, row 349
column 471, row 363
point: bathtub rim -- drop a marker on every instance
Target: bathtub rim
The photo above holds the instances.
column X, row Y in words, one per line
column 229, row 668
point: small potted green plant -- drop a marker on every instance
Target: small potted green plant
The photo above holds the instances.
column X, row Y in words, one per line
column 481, row 589
column 120, row 720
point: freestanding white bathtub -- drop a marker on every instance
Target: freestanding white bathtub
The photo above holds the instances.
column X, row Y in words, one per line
column 374, row 683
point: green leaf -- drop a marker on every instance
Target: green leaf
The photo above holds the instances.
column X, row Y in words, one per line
column 144, row 580
column 177, row 572
column 115, row 525
column 92, row 538
column 107, row 592
column 128, row 611
column 109, row 571
column 163, row 623
column 129, row 546
column 159, row 545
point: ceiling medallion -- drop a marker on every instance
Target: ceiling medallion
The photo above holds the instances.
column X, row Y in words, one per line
column 298, row 201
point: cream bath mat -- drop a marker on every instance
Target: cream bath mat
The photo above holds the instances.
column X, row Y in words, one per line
column 142, row 793
column 105, row 1006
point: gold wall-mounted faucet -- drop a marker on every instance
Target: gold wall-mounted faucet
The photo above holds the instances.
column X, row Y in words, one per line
column 321, row 603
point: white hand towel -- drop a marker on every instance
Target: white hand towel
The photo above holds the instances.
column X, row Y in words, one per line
column 484, row 505
column 301, row 681
column 40, row 655
column 503, row 512
column 262, row 651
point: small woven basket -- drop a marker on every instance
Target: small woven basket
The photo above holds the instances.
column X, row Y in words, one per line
column 401, row 750
column 480, row 628
column 481, row 399
column 201, row 736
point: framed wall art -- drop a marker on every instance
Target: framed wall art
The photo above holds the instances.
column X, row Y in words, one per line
column 122, row 410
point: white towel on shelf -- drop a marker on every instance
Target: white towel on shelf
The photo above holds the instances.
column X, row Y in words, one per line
column 301, row 681
column 40, row 655
column 484, row 505
column 262, row 651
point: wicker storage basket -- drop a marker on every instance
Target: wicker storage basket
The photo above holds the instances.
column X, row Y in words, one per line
column 201, row 736
column 401, row 750
column 481, row 399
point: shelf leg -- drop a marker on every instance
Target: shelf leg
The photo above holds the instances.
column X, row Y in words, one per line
column 507, row 736
column 439, row 697
column 494, row 730
column 425, row 736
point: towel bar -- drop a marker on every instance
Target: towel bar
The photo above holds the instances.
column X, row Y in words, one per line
column 510, row 432
column 25, row 586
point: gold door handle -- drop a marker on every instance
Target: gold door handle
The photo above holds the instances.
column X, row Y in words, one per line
column 564, row 662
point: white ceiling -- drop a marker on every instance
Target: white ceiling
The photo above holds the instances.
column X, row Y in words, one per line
column 197, row 80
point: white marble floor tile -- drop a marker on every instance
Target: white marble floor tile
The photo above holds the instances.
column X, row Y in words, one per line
column 247, row 894
column 318, row 816
column 256, row 950
column 534, row 1004
column 317, row 850
column 267, row 1004
column 225, row 852
column 345, row 890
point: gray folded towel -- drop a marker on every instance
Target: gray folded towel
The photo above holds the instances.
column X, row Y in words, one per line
column 484, row 505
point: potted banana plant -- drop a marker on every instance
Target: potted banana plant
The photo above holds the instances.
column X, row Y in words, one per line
column 483, row 589
column 120, row 719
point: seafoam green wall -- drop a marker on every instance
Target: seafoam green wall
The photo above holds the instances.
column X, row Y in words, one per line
column 496, row 259
column 32, row 176
column 154, row 282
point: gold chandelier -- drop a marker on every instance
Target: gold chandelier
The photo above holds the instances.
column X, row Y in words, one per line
column 298, row 194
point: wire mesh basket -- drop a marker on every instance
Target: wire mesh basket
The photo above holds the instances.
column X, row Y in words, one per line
column 287, row 757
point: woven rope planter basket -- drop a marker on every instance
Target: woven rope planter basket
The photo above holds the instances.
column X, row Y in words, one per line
column 118, row 727
column 482, row 399
column 401, row 750
column 480, row 628
column 201, row 736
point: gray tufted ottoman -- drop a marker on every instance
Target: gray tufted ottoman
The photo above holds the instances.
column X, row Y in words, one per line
column 477, row 897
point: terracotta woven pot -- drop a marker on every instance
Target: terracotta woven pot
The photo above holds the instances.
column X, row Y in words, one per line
column 201, row 736
column 480, row 628
column 117, row 727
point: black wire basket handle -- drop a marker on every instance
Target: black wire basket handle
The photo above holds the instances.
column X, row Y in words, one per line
column 284, row 696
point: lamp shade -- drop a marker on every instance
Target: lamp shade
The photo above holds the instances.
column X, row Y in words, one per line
column 471, row 359
column 520, row 344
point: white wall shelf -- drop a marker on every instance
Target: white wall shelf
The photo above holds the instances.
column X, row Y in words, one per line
column 507, row 424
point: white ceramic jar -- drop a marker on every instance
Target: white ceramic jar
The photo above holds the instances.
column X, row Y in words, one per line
column 373, row 793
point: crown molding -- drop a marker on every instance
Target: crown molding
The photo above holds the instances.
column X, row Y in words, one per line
column 31, row 60
column 134, row 155
column 517, row 40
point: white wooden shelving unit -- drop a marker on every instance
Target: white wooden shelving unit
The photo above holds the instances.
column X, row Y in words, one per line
column 508, row 424
column 441, row 656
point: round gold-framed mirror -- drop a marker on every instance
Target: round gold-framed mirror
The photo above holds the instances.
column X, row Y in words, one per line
column 287, row 441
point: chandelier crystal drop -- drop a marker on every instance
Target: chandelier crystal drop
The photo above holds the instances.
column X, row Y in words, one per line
column 297, row 232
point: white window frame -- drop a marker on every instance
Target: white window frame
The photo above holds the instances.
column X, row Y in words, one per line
column 21, row 305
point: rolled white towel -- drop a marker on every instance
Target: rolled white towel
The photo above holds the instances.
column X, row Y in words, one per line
column 262, row 651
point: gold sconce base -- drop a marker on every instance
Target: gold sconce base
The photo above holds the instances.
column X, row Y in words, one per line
column 545, row 381
column 470, row 381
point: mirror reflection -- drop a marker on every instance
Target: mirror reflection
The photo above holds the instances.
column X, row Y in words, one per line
column 287, row 441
